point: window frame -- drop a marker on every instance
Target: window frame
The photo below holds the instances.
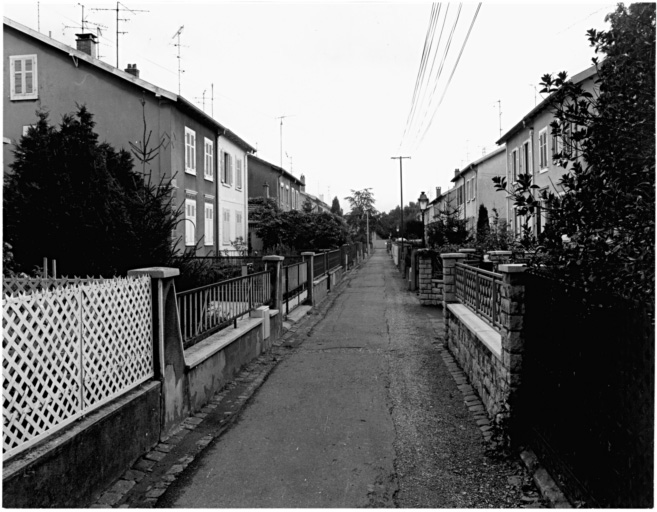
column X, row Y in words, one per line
column 190, row 220
column 13, row 95
column 238, row 174
column 239, row 225
column 190, row 151
column 227, row 169
column 225, row 226
column 208, row 160
column 209, row 221
column 515, row 165
column 543, row 150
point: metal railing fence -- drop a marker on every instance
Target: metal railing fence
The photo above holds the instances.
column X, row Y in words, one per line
column 480, row 290
column 295, row 282
column 208, row 309
column 334, row 259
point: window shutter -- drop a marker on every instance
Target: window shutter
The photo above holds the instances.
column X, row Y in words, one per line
column 222, row 164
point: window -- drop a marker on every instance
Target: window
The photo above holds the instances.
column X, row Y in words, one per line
column 567, row 139
column 190, row 221
column 526, row 158
column 208, row 172
column 227, row 169
column 555, row 147
column 543, row 149
column 513, row 165
column 287, row 196
column 266, row 190
column 281, row 195
column 225, row 228
column 209, row 223
column 190, row 151
column 238, row 172
column 238, row 225
column 23, row 81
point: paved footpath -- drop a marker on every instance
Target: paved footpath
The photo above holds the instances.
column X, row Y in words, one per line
column 359, row 405
column 366, row 411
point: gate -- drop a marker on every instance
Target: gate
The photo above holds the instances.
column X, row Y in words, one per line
column 586, row 405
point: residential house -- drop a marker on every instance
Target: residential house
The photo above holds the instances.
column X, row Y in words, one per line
column 530, row 148
column 41, row 74
column 474, row 187
column 269, row 180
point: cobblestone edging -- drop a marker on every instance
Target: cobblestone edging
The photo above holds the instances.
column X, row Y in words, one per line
column 150, row 476
column 546, row 485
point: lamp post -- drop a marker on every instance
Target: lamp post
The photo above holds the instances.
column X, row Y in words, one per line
column 423, row 201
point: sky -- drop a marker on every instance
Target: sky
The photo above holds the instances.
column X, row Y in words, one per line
column 342, row 74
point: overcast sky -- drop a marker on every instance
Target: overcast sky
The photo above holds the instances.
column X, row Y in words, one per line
column 344, row 73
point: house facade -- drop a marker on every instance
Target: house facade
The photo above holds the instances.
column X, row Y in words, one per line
column 530, row 149
column 474, row 187
column 269, row 180
column 41, row 74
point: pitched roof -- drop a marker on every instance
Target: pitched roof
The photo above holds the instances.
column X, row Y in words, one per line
column 576, row 79
column 128, row 77
column 277, row 169
column 477, row 162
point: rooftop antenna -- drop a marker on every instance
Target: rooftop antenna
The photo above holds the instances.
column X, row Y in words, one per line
column 39, row 16
column 534, row 86
column 212, row 102
column 202, row 98
column 82, row 22
column 180, row 71
column 281, row 131
column 499, row 108
column 119, row 7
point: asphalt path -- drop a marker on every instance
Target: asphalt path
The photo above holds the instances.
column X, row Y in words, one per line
column 362, row 413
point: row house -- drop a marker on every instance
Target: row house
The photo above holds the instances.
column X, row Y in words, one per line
column 473, row 187
column 205, row 161
column 269, row 180
column 531, row 149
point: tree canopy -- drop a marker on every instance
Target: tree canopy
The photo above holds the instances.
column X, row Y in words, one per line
column 78, row 201
column 601, row 232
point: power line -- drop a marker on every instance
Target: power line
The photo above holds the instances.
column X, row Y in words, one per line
column 449, row 81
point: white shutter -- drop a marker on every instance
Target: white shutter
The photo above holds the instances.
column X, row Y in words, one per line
column 209, row 224
column 190, row 221
column 225, row 228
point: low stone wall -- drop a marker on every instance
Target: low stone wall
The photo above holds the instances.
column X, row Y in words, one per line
column 320, row 289
column 477, row 348
column 83, row 459
column 335, row 277
column 430, row 289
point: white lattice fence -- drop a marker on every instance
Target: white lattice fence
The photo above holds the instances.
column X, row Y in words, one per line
column 70, row 350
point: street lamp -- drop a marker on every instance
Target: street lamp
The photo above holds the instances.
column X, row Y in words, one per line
column 423, row 201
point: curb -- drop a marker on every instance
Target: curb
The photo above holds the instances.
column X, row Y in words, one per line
column 550, row 491
column 149, row 477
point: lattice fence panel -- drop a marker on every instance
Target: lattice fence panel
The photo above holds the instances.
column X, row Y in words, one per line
column 20, row 285
column 68, row 351
column 117, row 324
column 41, row 364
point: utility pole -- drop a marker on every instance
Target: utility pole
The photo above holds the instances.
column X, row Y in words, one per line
column 401, row 195
column 118, row 9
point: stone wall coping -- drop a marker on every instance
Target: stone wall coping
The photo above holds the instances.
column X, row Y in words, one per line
column 500, row 253
column 203, row 350
column 511, row 268
column 273, row 258
column 453, row 255
column 155, row 272
column 485, row 332
column 307, row 254
column 468, row 251
column 324, row 277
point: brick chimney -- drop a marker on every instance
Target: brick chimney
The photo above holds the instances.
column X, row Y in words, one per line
column 87, row 43
column 302, row 178
column 132, row 69
column 456, row 172
column 438, row 189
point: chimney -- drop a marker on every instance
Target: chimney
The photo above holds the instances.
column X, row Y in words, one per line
column 132, row 69
column 437, row 192
column 302, row 178
column 87, row 43
column 456, row 172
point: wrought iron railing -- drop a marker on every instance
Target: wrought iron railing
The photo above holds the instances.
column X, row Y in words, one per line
column 295, row 283
column 208, row 309
column 334, row 259
column 481, row 291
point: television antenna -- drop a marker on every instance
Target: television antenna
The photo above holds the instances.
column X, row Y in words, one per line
column 84, row 21
column 180, row 71
column 119, row 7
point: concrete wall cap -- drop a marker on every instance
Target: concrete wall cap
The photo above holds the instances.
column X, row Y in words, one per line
column 512, row 268
column 307, row 254
column 273, row 258
column 155, row 272
column 500, row 253
column 453, row 255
